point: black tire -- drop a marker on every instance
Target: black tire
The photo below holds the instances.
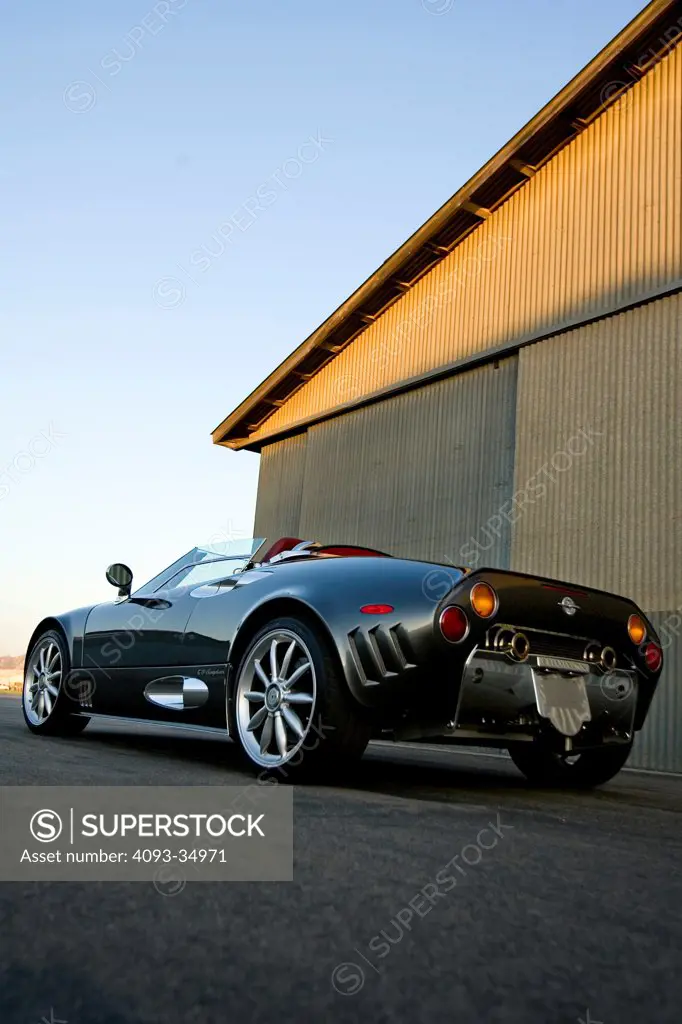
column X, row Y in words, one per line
column 336, row 733
column 62, row 720
column 545, row 767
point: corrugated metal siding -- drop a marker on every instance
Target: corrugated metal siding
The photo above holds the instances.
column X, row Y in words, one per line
column 280, row 486
column 598, row 226
column 611, row 514
column 419, row 474
column 659, row 745
column 604, row 508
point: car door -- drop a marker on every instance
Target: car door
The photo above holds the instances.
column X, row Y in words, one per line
column 145, row 630
column 129, row 643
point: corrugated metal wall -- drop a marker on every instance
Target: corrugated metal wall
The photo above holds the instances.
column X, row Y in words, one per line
column 420, row 474
column 599, row 226
column 280, row 487
column 611, row 514
column 598, row 475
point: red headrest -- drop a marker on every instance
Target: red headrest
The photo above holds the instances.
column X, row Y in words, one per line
column 350, row 551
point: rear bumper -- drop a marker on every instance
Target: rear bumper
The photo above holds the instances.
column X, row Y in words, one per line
column 573, row 704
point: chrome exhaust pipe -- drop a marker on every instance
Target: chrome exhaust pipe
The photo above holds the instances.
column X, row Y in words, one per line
column 520, row 647
column 513, row 643
column 608, row 659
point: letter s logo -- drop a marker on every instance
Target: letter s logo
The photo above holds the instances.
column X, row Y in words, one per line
column 46, row 826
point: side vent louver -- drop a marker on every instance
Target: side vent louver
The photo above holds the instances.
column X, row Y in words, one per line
column 379, row 653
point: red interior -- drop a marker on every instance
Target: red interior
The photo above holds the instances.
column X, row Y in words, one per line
column 349, row 551
column 341, row 550
column 283, row 544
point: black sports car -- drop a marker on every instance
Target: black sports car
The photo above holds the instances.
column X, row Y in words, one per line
column 304, row 652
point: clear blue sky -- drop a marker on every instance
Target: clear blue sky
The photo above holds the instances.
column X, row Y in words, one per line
column 133, row 131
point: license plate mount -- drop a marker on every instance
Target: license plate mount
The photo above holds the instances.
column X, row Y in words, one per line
column 563, row 700
column 562, row 664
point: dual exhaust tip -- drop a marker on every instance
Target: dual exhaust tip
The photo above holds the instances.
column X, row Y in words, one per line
column 604, row 656
column 516, row 645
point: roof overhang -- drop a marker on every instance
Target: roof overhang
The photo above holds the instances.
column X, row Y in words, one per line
column 647, row 39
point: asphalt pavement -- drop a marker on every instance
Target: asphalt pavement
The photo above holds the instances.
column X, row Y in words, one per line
column 569, row 911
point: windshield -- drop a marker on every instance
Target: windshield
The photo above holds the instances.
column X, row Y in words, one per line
column 231, row 548
column 238, row 552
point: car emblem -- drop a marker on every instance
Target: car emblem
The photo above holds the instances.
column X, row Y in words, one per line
column 568, row 605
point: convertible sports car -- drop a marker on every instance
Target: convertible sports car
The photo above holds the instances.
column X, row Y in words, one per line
column 304, row 652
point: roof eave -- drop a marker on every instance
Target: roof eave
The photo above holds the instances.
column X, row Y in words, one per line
column 235, row 430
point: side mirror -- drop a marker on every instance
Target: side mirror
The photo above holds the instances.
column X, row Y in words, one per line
column 120, row 576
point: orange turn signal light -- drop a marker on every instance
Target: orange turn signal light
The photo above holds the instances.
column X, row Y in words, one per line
column 636, row 629
column 483, row 600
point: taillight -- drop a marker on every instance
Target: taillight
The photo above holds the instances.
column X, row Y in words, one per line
column 377, row 609
column 454, row 624
column 636, row 629
column 653, row 656
column 483, row 600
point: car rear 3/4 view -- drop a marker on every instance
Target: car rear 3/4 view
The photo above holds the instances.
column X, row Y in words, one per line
column 302, row 652
column 560, row 675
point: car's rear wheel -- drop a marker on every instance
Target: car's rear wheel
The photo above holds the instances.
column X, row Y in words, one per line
column 45, row 700
column 545, row 767
column 290, row 708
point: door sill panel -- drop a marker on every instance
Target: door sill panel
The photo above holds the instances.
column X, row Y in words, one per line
column 211, row 730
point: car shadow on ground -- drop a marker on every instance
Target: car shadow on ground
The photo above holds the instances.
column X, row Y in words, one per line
column 412, row 771
column 383, row 766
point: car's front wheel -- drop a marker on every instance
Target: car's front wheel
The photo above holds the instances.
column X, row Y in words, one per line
column 45, row 699
column 545, row 767
column 290, row 708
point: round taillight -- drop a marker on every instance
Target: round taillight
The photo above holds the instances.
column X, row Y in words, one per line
column 483, row 600
column 454, row 624
column 653, row 656
column 636, row 629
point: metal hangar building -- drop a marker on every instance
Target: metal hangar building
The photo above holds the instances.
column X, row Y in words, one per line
column 506, row 389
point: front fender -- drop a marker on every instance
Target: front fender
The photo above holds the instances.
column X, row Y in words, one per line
column 72, row 626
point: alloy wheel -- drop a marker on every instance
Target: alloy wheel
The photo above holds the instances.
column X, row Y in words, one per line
column 275, row 698
column 42, row 681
